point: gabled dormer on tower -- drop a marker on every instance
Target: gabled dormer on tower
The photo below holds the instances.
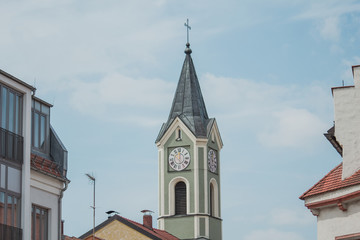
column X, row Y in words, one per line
column 189, row 145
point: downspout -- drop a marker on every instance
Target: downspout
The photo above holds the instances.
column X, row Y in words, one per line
column 67, row 181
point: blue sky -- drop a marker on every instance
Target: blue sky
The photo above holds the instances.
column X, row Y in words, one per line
column 265, row 68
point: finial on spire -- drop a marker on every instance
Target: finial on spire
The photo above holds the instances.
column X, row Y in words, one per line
column 187, row 49
column 187, row 29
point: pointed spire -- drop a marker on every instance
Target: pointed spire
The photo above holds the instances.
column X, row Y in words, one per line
column 188, row 103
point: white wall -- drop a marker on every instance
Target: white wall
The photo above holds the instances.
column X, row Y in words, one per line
column 333, row 222
column 347, row 124
column 45, row 192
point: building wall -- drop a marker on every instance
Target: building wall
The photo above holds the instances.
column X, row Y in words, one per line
column 117, row 230
column 347, row 122
column 170, row 174
column 332, row 222
column 197, row 223
column 172, row 225
column 45, row 192
column 26, row 128
column 36, row 188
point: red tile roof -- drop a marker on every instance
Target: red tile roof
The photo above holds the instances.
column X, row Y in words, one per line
column 45, row 165
column 69, row 238
column 332, row 181
column 157, row 232
column 154, row 233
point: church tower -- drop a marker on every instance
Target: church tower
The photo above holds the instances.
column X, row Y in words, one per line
column 189, row 145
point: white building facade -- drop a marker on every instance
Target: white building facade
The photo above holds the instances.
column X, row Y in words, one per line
column 335, row 199
column 33, row 165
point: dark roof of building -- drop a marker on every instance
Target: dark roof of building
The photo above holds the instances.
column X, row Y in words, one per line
column 330, row 136
column 332, row 181
column 188, row 103
column 155, row 234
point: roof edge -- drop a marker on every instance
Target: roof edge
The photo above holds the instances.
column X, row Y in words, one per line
column 303, row 196
column 333, row 201
column 17, row 80
column 123, row 220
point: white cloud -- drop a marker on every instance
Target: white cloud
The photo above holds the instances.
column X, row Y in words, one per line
column 291, row 127
column 280, row 115
column 75, row 37
column 272, row 234
column 324, row 9
column 327, row 15
column 116, row 97
column 330, row 29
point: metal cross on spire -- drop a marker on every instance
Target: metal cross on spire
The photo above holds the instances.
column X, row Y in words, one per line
column 187, row 29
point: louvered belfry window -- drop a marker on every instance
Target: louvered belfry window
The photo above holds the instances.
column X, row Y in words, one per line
column 180, row 198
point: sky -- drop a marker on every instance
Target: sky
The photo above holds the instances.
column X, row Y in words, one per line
column 266, row 69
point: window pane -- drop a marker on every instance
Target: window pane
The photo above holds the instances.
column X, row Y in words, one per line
column 37, row 106
column 17, row 110
column 33, row 222
column 9, row 211
column 14, row 179
column 42, row 131
column 2, row 143
column 36, row 130
column 10, row 146
column 39, row 223
column 11, row 112
column 20, row 114
column 3, row 107
column 2, row 207
column 2, row 176
column 16, row 215
column 45, row 110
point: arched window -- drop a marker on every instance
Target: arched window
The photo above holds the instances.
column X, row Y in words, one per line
column 180, row 198
column 214, row 207
column 212, row 199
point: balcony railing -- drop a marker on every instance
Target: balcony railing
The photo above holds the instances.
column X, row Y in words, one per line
column 58, row 152
column 11, row 146
column 9, row 232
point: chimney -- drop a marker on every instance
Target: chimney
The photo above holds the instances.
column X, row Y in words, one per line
column 347, row 119
column 147, row 219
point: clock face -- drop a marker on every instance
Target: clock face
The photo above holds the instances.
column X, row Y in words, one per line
column 179, row 159
column 212, row 161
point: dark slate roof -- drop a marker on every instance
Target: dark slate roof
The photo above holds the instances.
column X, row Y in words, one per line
column 330, row 136
column 188, row 103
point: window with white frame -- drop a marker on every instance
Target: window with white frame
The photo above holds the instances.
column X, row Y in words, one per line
column 40, row 125
column 10, row 185
column 39, row 223
column 11, row 110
